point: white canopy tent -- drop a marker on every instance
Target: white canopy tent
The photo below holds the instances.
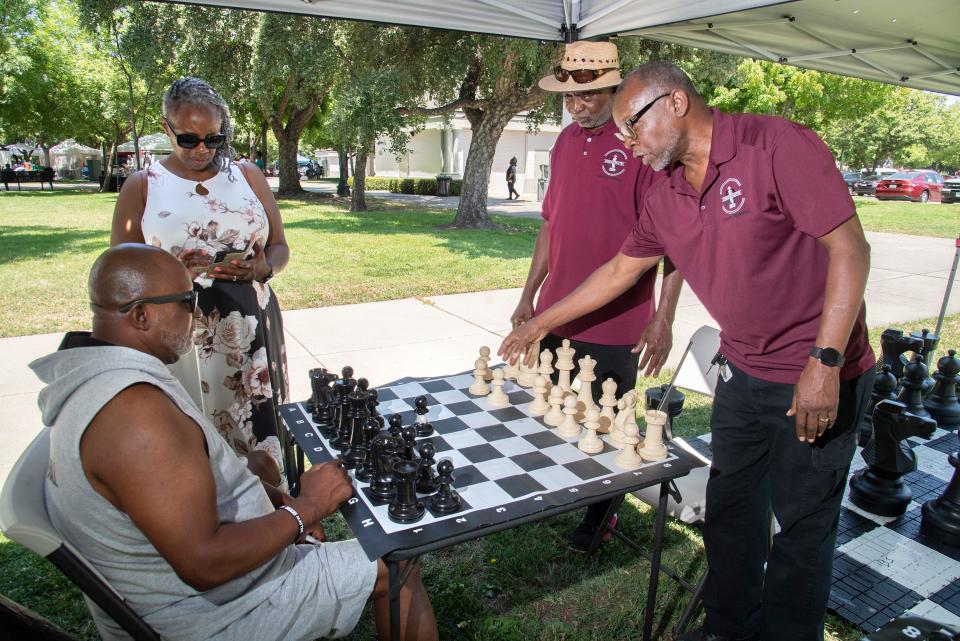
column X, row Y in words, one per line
column 157, row 143
column 911, row 44
column 69, row 156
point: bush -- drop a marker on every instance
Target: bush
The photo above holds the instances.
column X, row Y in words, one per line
column 418, row 186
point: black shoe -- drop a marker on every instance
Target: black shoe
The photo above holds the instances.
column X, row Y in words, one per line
column 581, row 538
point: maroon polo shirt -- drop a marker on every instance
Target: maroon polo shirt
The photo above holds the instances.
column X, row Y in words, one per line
column 590, row 206
column 747, row 244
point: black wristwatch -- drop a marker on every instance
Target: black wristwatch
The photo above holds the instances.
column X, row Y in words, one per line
column 269, row 273
column 828, row 356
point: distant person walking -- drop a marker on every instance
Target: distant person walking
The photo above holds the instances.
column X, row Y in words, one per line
column 512, row 178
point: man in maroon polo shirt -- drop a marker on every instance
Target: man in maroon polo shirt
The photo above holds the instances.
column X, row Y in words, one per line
column 757, row 218
column 595, row 192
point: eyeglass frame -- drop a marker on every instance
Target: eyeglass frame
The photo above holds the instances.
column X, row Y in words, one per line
column 190, row 297
column 635, row 118
column 193, row 145
column 597, row 73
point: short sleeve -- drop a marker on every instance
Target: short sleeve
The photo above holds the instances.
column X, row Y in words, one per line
column 811, row 189
column 642, row 241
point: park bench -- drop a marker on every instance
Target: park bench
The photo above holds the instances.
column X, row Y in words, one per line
column 41, row 176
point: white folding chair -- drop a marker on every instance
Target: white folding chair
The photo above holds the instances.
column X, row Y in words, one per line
column 24, row 519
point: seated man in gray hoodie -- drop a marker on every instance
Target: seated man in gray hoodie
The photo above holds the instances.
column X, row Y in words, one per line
column 144, row 486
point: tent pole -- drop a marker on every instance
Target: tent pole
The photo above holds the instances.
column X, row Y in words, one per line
column 946, row 294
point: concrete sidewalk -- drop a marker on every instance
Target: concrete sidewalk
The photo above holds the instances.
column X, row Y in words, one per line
column 441, row 334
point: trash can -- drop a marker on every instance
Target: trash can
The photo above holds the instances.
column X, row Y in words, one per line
column 542, row 181
column 443, row 185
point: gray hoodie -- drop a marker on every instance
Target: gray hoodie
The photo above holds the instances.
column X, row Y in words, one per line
column 80, row 381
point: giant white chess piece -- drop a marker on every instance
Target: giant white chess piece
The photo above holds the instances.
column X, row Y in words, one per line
column 591, row 443
column 653, row 448
column 539, row 406
column 609, row 403
column 586, row 378
column 498, row 398
column 479, row 387
column 565, row 364
column 569, row 427
column 528, row 373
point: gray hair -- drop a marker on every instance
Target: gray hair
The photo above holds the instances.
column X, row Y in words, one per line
column 194, row 91
column 662, row 76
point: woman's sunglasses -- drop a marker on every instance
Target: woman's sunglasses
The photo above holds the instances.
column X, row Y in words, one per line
column 580, row 76
column 190, row 141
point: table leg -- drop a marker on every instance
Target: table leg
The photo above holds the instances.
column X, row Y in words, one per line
column 397, row 577
column 656, row 553
column 605, row 524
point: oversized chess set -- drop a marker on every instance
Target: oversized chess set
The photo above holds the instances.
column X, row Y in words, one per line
column 434, row 459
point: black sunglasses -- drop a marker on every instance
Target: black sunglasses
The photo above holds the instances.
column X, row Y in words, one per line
column 580, row 76
column 190, row 141
column 626, row 130
column 185, row 297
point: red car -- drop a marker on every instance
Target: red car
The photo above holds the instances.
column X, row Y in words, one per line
column 918, row 186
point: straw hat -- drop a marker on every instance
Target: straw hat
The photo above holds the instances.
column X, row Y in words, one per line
column 584, row 54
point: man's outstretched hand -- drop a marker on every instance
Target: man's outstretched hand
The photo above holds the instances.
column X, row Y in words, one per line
column 520, row 342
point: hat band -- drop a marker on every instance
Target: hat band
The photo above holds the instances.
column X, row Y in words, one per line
column 579, row 76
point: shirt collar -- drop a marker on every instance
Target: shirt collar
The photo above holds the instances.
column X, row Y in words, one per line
column 608, row 127
column 723, row 147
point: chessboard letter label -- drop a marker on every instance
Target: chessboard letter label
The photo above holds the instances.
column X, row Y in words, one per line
column 366, row 522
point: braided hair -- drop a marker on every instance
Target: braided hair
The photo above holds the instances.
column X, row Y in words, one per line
column 194, row 91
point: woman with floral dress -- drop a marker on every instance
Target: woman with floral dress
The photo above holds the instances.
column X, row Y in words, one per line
column 195, row 203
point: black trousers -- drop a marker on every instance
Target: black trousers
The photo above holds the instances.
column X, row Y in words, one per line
column 759, row 465
column 512, row 191
column 613, row 361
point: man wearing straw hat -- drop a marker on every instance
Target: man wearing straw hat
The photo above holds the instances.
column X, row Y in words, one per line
column 592, row 203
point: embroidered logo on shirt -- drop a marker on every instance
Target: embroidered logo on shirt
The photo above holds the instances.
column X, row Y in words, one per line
column 731, row 196
column 615, row 162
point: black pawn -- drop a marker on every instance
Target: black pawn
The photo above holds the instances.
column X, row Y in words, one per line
column 373, row 400
column 409, row 436
column 383, row 484
column 942, row 402
column 930, row 342
column 894, row 345
column 427, row 479
column 424, row 428
column 941, row 516
column 406, row 507
column 396, row 424
column 911, row 386
column 884, row 389
column 447, row 499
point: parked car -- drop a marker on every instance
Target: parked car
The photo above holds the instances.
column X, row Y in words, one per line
column 919, row 186
column 867, row 186
column 951, row 189
column 850, row 177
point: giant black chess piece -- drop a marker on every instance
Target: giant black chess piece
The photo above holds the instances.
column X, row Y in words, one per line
column 884, row 389
column 322, row 399
column 367, row 467
column 383, row 485
column 911, row 386
column 427, row 479
column 894, row 345
column 406, row 507
column 941, row 516
column 356, row 450
column 424, row 427
column 942, row 401
column 930, row 342
column 654, row 397
column 447, row 499
column 341, row 439
column 879, row 488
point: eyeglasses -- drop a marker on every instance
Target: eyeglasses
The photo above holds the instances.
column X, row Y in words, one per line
column 626, row 130
column 580, row 76
column 186, row 297
column 190, row 141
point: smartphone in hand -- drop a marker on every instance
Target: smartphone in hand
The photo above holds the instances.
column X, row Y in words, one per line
column 227, row 255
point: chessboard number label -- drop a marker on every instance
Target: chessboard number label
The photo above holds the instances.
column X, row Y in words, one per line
column 573, row 490
column 501, row 510
column 353, row 500
column 607, row 481
column 461, row 520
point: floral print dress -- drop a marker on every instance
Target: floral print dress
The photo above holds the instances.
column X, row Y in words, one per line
column 239, row 337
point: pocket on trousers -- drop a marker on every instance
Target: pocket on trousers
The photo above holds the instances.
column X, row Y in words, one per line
column 837, row 452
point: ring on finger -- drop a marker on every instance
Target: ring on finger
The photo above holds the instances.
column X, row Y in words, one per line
column 824, row 419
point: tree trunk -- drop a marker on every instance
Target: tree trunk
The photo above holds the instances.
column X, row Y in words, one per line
column 343, row 188
column 358, row 201
column 289, row 176
column 472, row 211
column 263, row 145
column 108, row 168
column 17, row 622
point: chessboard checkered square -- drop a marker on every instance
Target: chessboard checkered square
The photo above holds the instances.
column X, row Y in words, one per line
column 533, row 461
column 480, row 453
column 449, row 425
column 948, row 598
column 586, row 469
column 946, row 444
column 853, row 525
column 437, row 385
column 524, row 426
column 494, row 432
column 450, row 397
column 924, row 486
column 409, row 390
column 464, row 438
column 862, row 594
column 927, row 609
column 386, row 394
column 555, row 477
column 520, row 485
column 479, row 419
column 467, row 475
column 513, row 446
column 562, row 453
column 908, row 525
column 506, row 414
column 519, row 398
column 501, row 468
column 902, row 560
column 484, row 494
column 543, row 440
column 439, row 443
column 462, row 408
column 935, row 464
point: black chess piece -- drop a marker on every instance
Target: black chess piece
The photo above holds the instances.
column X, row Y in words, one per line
column 347, row 385
column 405, row 506
column 396, row 424
column 315, row 374
column 424, row 427
column 942, row 401
column 409, row 436
column 941, row 516
column 367, row 467
column 879, row 488
column 930, row 342
column 911, row 386
column 356, row 451
column 383, row 484
column 373, row 400
column 323, row 400
column 894, row 345
column 884, row 389
column 447, row 499
column 427, row 479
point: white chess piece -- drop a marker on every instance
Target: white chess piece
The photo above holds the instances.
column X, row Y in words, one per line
column 586, row 378
column 528, row 373
column 546, row 367
column 609, row 402
column 616, row 430
column 630, row 412
column 479, row 387
column 565, row 364
column 498, row 398
column 485, row 355
column 628, row 458
column 539, row 406
column 555, row 416
column 569, row 427
column 591, row 443
column 653, row 448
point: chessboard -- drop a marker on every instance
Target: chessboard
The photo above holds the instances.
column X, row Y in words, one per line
column 508, row 464
column 884, row 567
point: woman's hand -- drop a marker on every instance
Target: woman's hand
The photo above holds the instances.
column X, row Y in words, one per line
column 254, row 268
column 195, row 260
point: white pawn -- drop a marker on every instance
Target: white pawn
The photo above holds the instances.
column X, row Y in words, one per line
column 565, row 364
column 608, row 401
column 569, row 427
column 630, row 412
column 485, row 356
column 628, row 458
column 528, row 373
column 546, row 367
column 479, row 387
column 498, row 398
column 555, row 416
column 511, row 370
column 653, row 448
column 591, row 443
column 616, row 430
column 586, row 377
column 539, row 406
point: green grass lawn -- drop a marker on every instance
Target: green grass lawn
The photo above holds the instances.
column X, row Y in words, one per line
column 899, row 217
